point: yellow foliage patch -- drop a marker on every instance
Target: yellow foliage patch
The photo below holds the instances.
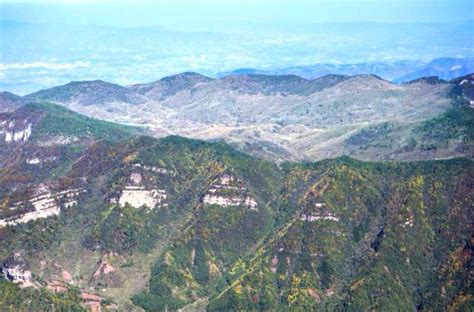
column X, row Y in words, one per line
column 5, row 203
column 213, row 269
column 417, row 182
column 238, row 289
column 188, row 276
column 168, row 258
column 130, row 157
column 357, row 284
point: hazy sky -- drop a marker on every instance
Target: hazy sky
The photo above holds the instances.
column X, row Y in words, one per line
column 49, row 42
column 217, row 13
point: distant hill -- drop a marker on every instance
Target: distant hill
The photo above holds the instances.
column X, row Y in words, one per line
column 387, row 70
column 87, row 93
column 398, row 72
column 464, row 89
column 169, row 86
column 444, row 68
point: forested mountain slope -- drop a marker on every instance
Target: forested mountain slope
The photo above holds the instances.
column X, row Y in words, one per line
column 106, row 217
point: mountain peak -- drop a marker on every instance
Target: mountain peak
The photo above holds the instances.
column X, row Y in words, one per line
column 170, row 85
column 89, row 82
column 463, row 79
column 432, row 80
column 186, row 75
column 263, row 77
column 445, row 68
column 9, row 101
column 88, row 92
column 7, row 94
column 266, row 84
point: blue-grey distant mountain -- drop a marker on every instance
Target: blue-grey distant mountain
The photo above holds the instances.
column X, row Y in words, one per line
column 444, row 68
column 386, row 70
column 398, row 72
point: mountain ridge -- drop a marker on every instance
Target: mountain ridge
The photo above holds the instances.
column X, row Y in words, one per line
column 398, row 72
column 445, row 68
column 86, row 93
column 186, row 78
column 281, row 117
column 9, row 101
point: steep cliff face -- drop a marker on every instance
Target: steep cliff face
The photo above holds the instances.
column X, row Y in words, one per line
column 42, row 204
column 227, row 191
column 15, row 269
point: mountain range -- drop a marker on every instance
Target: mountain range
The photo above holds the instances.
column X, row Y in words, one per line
column 287, row 117
column 398, row 71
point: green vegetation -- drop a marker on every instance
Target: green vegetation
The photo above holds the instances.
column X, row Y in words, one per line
column 58, row 120
column 338, row 234
column 371, row 133
column 13, row 298
column 378, row 255
column 456, row 124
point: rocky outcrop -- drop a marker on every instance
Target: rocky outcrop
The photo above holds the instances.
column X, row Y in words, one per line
column 319, row 211
column 15, row 131
column 311, row 217
column 33, row 161
column 45, row 203
column 15, row 269
column 228, row 191
column 57, row 140
column 409, row 221
column 137, row 195
column 154, row 169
